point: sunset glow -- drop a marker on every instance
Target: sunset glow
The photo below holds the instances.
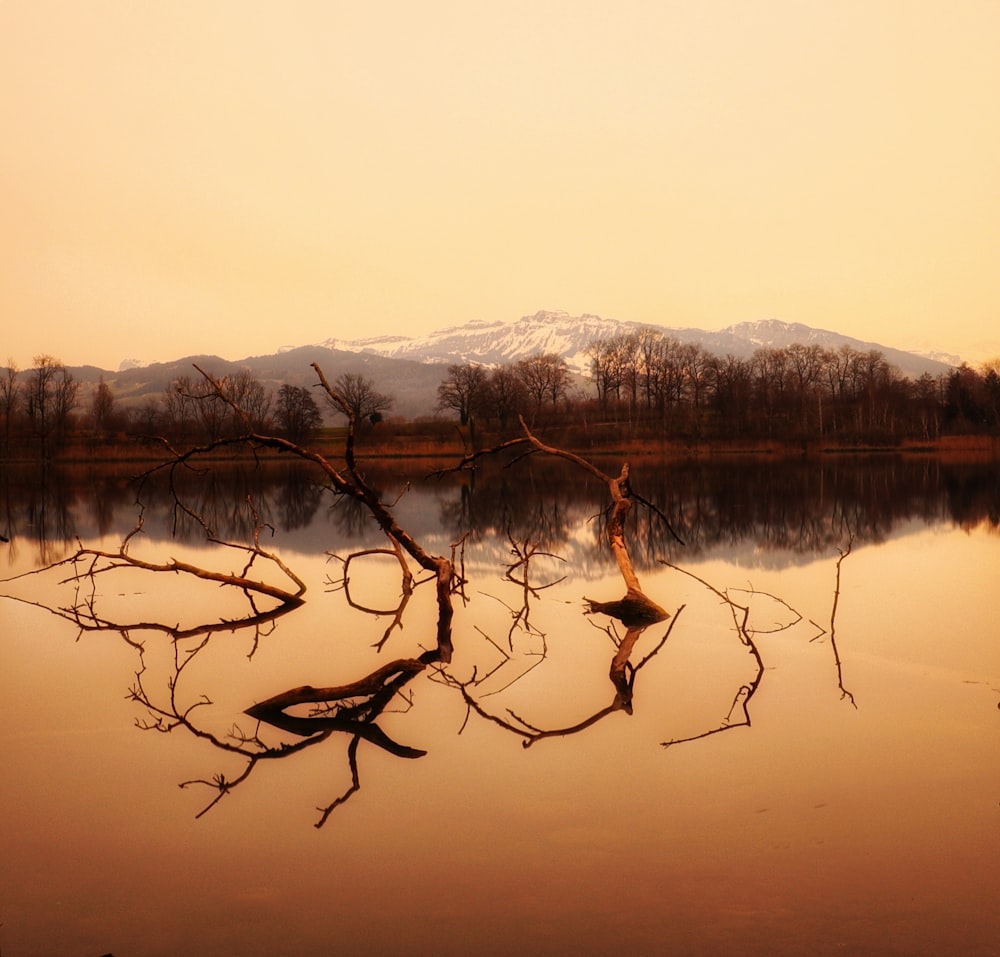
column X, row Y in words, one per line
column 232, row 177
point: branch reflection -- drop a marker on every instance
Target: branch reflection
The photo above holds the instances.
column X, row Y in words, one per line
column 782, row 504
column 292, row 720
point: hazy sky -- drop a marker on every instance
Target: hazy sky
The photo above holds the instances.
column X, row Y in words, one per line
column 231, row 176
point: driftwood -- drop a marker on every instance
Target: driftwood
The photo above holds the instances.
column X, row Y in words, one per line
column 313, row 714
column 341, row 710
column 406, row 591
column 634, row 609
column 350, row 482
column 843, row 553
column 86, row 564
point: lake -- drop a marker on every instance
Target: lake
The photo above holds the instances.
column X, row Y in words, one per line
column 801, row 759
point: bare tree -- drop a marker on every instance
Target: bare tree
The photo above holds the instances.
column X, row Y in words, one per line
column 252, row 399
column 102, row 407
column 463, row 391
column 546, row 379
column 67, row 392
column 148, row 417
column 699, row 367
column 39, row 398
column 179, row 411
column 197, row 410
column 733, row 392
column 50, row 398
column 610, row 362
column 296, row 413
column 358, row 399
column 504, row 395
column 10, row 400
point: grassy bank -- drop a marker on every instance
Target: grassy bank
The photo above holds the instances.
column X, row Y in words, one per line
column 445, row 443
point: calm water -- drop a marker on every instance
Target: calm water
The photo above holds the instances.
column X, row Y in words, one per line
column 809, row 763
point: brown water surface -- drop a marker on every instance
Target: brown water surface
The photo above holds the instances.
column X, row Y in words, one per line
column 822, row 780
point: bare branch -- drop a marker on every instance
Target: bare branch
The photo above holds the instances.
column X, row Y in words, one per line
column 833, row 623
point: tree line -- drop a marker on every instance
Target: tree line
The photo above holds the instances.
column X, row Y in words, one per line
column 642, row 383
column 647, row 382
column 40, row 409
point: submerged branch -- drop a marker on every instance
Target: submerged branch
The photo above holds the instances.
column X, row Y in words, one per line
column 833, row 623
column 303, row 716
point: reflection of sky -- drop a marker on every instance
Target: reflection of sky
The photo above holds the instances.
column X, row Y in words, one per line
column 853, row 818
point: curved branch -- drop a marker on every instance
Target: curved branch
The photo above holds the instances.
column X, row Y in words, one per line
column 406, row 586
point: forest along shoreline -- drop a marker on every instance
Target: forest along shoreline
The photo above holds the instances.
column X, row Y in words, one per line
column 647, row 396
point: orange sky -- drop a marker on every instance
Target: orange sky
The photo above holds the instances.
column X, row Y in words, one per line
column 233, row 176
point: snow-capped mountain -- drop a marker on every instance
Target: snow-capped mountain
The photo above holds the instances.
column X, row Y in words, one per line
column 494, row 343
column 410, row 368
column 930, row 351
column 775, row 334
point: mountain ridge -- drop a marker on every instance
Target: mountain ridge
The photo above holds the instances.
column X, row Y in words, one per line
column 411, row 367
column 492, row 343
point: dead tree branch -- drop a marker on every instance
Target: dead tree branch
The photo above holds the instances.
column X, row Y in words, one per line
column 635, row 609
column 843, row 553
column 303, row 716
column 406, row 587
column 741, row 616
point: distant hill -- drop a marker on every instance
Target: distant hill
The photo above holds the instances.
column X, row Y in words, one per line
column 776, row 334
column 411, row 368
column 491, row 343
column 413, row 384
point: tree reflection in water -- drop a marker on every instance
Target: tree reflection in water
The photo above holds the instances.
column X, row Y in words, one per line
column 635, row 610
column 299, row 718
column 343, row 583
column 521, row 631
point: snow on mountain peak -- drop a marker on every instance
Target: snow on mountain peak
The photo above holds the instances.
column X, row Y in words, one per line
column 493, row 343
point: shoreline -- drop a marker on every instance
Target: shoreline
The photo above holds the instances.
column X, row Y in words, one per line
column 450, row 449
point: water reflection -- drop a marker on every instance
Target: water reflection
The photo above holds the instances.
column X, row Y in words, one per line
column 827, row 828
column 566, row 509
column 805, row 507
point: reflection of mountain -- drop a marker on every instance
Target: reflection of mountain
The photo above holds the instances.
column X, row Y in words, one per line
column 760, row 506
